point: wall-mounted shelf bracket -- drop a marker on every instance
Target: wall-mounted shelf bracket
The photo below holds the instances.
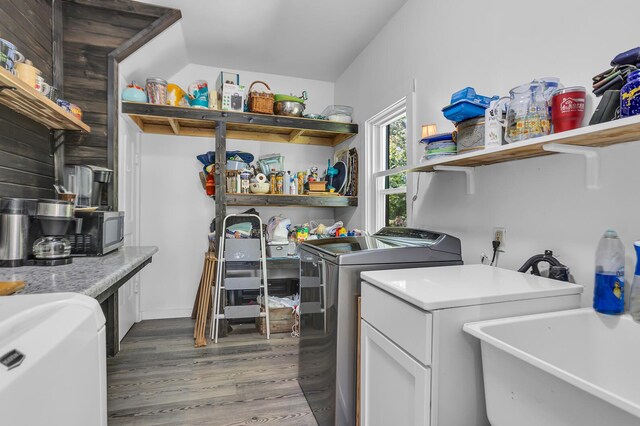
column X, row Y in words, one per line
column 55, row 141
column 591, row 156
column 468, row 171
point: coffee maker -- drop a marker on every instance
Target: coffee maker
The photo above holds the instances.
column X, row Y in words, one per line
column 88, row 182
column 32, row 232
column 48, row 230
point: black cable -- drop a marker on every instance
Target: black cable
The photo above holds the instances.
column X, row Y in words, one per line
column 495, row 244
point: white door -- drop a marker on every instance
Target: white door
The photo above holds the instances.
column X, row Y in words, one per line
column 395, row 388
column 128, row 201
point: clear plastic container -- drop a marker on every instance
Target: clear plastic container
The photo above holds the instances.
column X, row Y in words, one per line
column 608, row 292
column 341, row 113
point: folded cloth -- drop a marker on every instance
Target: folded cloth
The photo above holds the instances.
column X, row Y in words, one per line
column 210, row 157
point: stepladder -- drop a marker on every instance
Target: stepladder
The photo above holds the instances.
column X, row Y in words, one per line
column 241, row 268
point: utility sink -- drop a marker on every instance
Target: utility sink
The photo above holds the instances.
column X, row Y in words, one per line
column 573, row 367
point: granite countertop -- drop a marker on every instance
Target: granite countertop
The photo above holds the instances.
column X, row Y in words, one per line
column 85, row 275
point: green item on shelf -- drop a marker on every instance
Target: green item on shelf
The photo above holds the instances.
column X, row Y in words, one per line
column 290, row 98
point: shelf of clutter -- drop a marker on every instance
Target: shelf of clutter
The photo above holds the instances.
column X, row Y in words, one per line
column 190, row 121
column 599, row 135
column 281, row 200
column 26, row 100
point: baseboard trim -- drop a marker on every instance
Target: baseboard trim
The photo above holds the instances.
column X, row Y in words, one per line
column 166, row 313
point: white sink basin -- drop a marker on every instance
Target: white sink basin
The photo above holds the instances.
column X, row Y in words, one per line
column 573, row 367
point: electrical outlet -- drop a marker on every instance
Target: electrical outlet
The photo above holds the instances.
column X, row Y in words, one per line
column 499, row 234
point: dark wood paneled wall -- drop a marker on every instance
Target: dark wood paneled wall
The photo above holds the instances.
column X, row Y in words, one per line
column 92, row 30
column 26, row 169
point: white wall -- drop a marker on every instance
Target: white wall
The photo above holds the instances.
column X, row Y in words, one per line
column 542, row 202
column 175, row 212
column 164, row 55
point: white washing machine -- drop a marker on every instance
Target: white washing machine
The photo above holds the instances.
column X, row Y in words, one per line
column 52, row 360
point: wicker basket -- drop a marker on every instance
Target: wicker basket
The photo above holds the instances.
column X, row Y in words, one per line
column 259, row 101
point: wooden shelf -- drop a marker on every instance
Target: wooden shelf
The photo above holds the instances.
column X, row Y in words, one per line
column 277, row 200
column 24, row 99
column 600, row 135
column 186, row 121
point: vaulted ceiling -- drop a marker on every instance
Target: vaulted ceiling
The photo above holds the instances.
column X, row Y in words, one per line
column 300, row 38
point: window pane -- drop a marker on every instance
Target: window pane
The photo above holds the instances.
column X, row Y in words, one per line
column 397, row 143
column 396, row 181
column 396, row 210
column 396, row 152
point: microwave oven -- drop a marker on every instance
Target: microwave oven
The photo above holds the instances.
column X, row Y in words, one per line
column 97, row 233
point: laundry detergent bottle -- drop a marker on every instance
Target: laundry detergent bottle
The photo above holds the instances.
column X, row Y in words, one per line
column 634, row 305
column 608, row 292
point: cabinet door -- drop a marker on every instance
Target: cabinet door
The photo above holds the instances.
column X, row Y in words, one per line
column 395, row 387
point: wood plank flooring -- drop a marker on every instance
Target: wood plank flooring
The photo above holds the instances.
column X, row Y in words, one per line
column 159, row 378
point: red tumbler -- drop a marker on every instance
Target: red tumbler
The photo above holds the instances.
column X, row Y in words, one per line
column 567, row 108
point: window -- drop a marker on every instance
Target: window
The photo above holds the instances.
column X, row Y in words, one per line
column 395, row 186
column 386, row 149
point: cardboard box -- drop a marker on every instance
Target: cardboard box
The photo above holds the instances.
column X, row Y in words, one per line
column 226, row 77
column 232, row 98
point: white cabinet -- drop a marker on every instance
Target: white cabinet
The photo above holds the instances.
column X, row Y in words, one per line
column 417, row 365
column 395, row 386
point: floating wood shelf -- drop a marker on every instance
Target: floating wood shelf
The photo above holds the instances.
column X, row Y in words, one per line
column 599, row 135
column 24, row 99
column 277, row 200
column 186, row 121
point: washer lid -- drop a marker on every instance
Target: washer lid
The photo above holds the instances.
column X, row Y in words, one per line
column 389, row 246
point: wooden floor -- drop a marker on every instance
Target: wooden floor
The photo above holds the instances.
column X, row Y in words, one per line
column 159, row 378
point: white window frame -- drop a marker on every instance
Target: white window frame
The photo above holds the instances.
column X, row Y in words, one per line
column 375, row 172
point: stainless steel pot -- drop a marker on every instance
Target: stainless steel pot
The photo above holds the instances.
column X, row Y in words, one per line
column 288, row 108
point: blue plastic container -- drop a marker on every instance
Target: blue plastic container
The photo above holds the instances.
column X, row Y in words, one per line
column 466, row 104
column 437, row 138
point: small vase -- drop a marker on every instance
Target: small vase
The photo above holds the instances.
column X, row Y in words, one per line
column 634, row 305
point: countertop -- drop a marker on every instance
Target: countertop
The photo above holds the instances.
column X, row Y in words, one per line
column 90, row 276
column 454, row 286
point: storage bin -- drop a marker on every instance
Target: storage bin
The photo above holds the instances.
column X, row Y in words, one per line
column 281, row 320
column 277, row 249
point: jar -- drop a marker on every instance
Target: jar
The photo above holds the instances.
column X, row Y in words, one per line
column 244, row 182
column 279, row 183
column 156, row 91
column 272, row 183
column 630, row 96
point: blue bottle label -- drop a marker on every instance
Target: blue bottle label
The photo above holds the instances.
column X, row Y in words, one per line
column 608, row 294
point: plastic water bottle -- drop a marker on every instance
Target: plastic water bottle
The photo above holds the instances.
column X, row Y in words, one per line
column 286, row 187
column 634, row 306
column 608, row 292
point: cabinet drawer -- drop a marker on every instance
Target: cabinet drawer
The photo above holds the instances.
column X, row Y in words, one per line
column 408, row 327
column 396, row 389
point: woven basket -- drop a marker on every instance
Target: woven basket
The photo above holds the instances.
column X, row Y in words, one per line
column 259, row 101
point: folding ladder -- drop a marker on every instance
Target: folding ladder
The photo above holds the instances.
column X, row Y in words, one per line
column 243, row 252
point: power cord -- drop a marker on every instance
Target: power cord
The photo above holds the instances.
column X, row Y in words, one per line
column 495, row 244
